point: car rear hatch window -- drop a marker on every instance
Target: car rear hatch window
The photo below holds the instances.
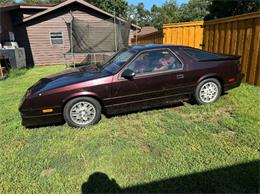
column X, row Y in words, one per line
column 207, row 56
column 202, row 55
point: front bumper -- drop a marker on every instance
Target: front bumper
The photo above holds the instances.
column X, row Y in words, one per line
column 31, row 110
column 42, row 120
column 35, row 117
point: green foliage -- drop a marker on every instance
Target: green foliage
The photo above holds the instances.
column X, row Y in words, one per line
column 164, row 14
column 138, row 15
column 6, row 2
column 169, row 12
column 193, row 10
column 133, row 149
column 37, row 2
column 156, row 17
column 223, row 8
column 119, row 6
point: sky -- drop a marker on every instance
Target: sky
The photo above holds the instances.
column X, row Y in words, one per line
column 149, row 3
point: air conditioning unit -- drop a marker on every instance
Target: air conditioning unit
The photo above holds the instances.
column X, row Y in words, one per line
column 15, row 56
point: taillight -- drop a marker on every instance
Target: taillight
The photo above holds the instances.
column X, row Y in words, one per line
column 232, row 79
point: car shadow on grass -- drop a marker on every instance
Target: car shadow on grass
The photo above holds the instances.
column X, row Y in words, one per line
column 239, row 178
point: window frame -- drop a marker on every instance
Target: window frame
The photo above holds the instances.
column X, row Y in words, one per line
column 152, row 73
column 50, row 38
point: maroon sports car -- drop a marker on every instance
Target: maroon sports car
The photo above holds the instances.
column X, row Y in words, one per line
column 135, row 78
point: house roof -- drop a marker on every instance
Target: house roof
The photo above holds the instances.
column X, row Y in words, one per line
column 82, row 2
column 9, row 7
column 147, row 30
column 33, row 6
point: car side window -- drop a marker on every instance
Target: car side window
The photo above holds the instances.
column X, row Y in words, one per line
column 155, row 61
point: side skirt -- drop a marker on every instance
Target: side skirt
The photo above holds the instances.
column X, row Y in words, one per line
column 152, row 103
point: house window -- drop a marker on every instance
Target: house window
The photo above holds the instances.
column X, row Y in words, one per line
column 56, row 38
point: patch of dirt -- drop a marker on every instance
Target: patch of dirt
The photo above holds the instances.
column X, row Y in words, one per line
column 230, row 132
column 214, row 117
column 221, row 112
column 145, row 147
column 195, row 117
column 47, row 172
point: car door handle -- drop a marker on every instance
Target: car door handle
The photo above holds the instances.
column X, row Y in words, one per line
column 180, row 76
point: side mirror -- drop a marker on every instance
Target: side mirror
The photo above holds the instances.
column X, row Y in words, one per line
column 128, row 74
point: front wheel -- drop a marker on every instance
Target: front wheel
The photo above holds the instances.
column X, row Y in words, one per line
column 81, row 112
column 208, row 91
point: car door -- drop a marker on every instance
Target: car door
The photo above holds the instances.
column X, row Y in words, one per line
column 156, row 81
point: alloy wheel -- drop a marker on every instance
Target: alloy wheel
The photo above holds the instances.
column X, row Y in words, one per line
column 82, row 113
column 209, row 92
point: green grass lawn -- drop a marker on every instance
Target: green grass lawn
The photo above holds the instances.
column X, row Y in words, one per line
column 189, row 148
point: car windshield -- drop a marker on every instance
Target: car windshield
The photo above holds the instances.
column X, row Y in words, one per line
column 118, row 60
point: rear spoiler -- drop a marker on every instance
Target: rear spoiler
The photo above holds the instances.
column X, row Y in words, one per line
column 221, row 59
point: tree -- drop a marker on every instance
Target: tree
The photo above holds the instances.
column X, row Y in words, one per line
column 119, row 6
column 37, row 2
column 193, row 10
column 6, row 2
column 164, row 14
column 138, row 14
column 222, row 8
column 131, row 14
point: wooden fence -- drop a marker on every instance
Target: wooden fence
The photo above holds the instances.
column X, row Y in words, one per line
column 186, row 33
column 236, row 35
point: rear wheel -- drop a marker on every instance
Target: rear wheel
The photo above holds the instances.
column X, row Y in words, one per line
column 208, row 91
column 82, row 112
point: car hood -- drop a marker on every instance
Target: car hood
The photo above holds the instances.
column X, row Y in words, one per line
column 65, row 78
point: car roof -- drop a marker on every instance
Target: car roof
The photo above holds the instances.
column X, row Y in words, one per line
column 151, row 46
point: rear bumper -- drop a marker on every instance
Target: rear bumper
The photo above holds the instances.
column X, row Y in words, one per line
column 229, row 86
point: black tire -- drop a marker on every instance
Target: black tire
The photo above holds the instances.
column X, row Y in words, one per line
column 91, row 101
column 198, row 89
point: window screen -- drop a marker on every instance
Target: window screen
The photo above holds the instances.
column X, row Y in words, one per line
column 56, row 38
column 201, row 55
